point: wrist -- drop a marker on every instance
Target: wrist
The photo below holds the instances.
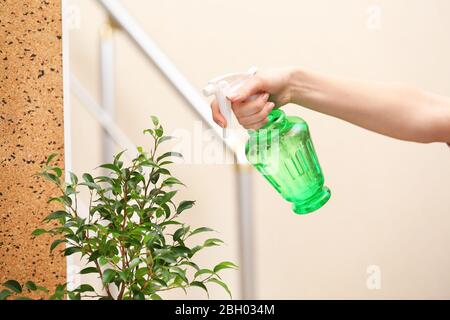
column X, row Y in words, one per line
column 297, row 86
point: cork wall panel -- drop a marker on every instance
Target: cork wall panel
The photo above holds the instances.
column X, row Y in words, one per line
column 31, row 128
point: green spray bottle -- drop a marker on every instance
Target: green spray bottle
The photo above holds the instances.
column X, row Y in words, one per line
column 282, row 151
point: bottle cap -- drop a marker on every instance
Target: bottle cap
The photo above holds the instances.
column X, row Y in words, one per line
column 222, row 86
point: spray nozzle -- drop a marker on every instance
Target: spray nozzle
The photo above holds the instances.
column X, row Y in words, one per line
column 222, row 86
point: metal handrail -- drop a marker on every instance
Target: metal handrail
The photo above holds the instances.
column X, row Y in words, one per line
column 170, row 72
column 105, row 120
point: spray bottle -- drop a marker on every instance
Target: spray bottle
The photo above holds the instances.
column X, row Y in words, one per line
column 282, row 151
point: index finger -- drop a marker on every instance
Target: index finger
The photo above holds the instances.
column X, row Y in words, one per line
column 217, row 116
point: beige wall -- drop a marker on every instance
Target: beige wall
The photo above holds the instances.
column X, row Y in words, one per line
column 391, row 199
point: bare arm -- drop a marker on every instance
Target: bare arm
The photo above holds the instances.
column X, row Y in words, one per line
column 395, row 110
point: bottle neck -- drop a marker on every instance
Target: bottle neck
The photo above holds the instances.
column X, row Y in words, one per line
column 277, row 120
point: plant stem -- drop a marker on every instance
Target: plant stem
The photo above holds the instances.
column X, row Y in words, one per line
column 122, row 248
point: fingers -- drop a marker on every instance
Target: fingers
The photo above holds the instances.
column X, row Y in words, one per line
column 251, row 115
column 250, row 88
column 257, row 120
column 258, row 125
column 217, row 116
column 249, row 108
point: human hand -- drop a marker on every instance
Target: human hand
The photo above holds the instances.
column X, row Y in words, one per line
column 272, row 90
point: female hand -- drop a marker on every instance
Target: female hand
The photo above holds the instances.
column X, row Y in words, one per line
column 272, row 88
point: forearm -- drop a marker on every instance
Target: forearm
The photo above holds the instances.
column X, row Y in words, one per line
column 394, row 110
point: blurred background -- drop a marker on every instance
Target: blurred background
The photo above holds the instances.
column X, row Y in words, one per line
column 389, row 215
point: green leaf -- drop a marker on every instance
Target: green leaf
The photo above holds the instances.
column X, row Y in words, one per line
column 167, row 258
column 57, row 215
column 194, row 250
column 73, row 295
column 166, row 209
column 57, row 171
column 73, row 178
column 161, row 282
column 56, row 243
column 123, row 276
column 203, row 271
column 222, row 284
column 111, row 167
column 71, row 250
column 168, row 196
column 159, row 212
column 181, row 251
column 169, row 154
column 212, row 242
column 65, row 200
column 109, row 275
column 103, row 261
column 88, row 178
column 163, row 171
column 180, row 272
column 85, row 288
column 141, row 272
column 134, row 263
column 169, row 222
column 69, row 190
column 60, row 291
column 179, row 233
column 38, row 232
column 184, row 205
column 154, row 177
column 155, row 297
column 225, row 265
column 51, row 177
column 90, row 185
column 155, row 120
column 191, row 264
column 23, row 298
column 41, row 288
column 13, row 285
column 159, row 132
column 171, row 181
column 50, row 158
column 165, row 138
column 200, row 285
column 148, row 163
column 161, row 164
column 31, row 285
column 117, row 157
column 148, row 131
column 138, row 296
column 5, row 294
column 89, row 270
column 201, row 229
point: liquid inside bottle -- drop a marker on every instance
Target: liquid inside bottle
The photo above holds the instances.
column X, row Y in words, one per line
column 283, row 152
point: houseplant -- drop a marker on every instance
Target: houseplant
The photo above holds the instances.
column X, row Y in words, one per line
column 132, row 236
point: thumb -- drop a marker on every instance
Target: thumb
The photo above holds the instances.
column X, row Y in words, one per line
column 250, row 88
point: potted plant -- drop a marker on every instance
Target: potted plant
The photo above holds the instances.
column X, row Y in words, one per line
column 132, row 236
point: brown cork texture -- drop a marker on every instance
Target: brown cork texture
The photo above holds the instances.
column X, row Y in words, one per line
column 31, row 128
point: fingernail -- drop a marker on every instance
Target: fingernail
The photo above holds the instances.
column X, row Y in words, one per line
column 271, row 105
column 265, row 96
column 233, row 95
column 220, row 124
